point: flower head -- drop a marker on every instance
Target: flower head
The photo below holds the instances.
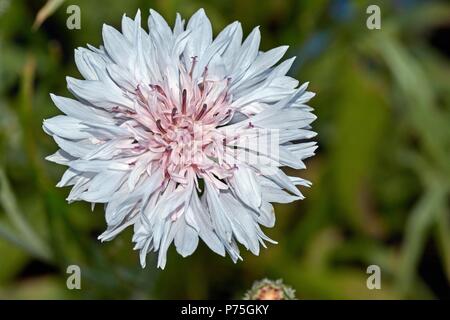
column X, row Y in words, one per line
column 270, row 290
column 182, row 136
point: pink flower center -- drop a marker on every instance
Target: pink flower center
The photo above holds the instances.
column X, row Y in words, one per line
column 178, row 125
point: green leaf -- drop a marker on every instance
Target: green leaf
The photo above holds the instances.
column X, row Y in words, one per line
column 360, row 127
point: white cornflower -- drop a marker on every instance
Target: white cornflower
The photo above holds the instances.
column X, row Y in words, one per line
column 182, row 136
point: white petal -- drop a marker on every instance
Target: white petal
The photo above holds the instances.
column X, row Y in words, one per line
column 201, row 36
column 76, row 109
column 103, row 186
column 247, row 55
column 66, row 127
column 100, row 93
column 246, row 187
column 116, row 45
column 186, row 239
column 60, row 157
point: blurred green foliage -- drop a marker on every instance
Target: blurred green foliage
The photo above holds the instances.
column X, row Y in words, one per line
column 381, row 178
